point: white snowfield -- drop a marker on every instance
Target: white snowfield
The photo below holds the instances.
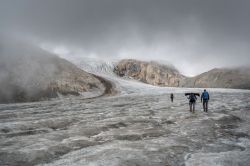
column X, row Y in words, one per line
column 139, row 126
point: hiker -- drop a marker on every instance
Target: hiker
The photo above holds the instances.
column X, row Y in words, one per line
column 192, row 100
column 205, row 98
column 172, row 97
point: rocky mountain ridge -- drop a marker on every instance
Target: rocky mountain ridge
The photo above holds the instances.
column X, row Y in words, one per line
column 165, row 75
column 149, row 72
column 236, row 78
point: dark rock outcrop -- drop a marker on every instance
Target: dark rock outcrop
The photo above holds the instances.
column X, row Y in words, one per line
column 149, row 72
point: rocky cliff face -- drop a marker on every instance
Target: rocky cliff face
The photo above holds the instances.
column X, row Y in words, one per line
column 163, row 75
column 30, row 74
column 149, row 72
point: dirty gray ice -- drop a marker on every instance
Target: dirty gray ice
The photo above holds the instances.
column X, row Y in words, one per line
column 138, row 126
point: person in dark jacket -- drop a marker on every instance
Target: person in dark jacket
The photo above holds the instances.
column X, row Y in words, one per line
column 205, row 99
column 192, row 100
column 172, row 97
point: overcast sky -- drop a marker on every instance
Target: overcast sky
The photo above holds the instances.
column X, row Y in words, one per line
column 193, row 35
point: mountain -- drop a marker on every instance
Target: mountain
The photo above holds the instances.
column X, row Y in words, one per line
column 166, row 75
column 236, row 78
column 28, row 74
column 149, row 72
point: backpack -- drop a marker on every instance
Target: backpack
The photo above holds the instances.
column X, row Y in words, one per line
column 192, row 97
column 205, row 96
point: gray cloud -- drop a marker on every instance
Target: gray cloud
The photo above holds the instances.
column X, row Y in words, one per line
column 194, row 35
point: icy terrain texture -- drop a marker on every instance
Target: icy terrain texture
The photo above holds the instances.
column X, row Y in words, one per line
column 138, row 126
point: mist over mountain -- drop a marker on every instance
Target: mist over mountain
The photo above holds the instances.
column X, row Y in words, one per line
column 28, row 73
column 195, row 36
column 105, row 82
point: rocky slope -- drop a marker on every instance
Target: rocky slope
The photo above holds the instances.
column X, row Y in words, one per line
column 149, row 72
column 164, row 75
column 238, row 78
column 31, row 74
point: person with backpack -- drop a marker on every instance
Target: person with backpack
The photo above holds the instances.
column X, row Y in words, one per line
column 192, row 100
column 205, row 98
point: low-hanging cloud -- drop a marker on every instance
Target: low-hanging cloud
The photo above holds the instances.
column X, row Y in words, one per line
column 194, row 35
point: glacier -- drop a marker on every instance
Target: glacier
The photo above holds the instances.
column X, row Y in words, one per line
column 137, row 126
